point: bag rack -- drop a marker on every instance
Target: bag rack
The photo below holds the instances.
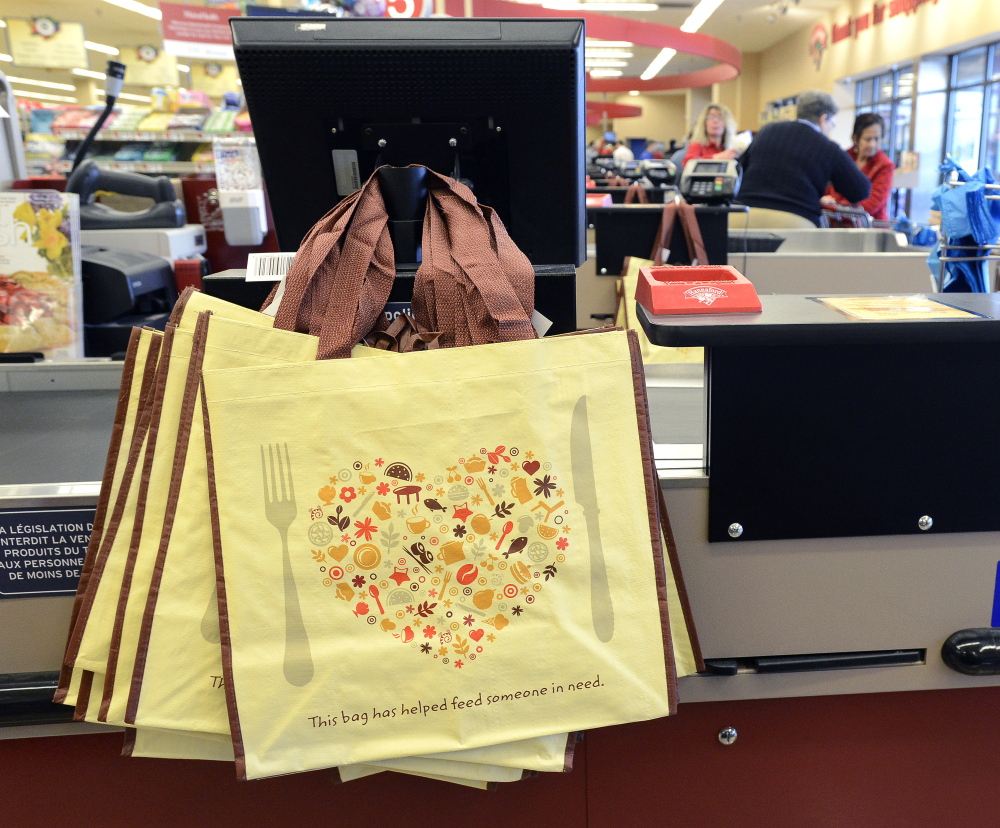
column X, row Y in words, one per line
column 993, row 250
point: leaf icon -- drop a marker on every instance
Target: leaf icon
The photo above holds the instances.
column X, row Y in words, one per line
column 425, row 609
column 550, row 571
column 390, row 538
column 461, row 645
column 503, row 509
column 318, row 555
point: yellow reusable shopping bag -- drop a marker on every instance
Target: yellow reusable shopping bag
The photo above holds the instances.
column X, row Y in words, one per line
column 177, row 681
column 447, row 550
column 186, row 691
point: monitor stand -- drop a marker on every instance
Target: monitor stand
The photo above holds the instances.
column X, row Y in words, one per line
column 404, row 190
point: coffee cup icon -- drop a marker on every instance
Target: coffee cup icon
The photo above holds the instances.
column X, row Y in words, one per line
column 417, row 525
column 519, row 489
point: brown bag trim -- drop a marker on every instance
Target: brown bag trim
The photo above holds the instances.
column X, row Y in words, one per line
column 117, row 432
column 103, row 500
column 179, row 305
column 156, row 411
column 636, row 192
column 232, row 708
column 129, row 744
column 83, row 696
column 692, row 233
column 572, row 740
column 672, row 211
column 675, row 568
column 652, row 482
column 85, row 598
column 170, row 513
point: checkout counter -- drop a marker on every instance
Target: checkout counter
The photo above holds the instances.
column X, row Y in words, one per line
column 828, row 441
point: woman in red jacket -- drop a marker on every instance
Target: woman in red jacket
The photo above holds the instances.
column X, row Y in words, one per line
column 867, row 135
column 713, row 135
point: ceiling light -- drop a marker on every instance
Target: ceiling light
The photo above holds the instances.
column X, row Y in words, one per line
column 699, row 14
column 658, row 63
column 100, row 47
column 695, row 20
column 45, row 84
column 88, row 73
column 183, row 67
column 6, row 58
column 20, row 93
column 128, row 97
column 608, row 53
column 603, row 62
column 633, row 92
column 572, row 5
column 141, row 8
column 3, row 24
column 606, row 73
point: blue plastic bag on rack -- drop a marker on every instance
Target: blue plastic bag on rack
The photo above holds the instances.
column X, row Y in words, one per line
column 916, row 234
column 969, row 221
column 958, row 276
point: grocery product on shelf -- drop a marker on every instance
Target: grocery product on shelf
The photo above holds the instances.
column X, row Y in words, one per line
column 186, row 120
column 131, row 152
column 156, row 122
column 161, row 151
column 203, row 154
column 41, row 120
column 129, row 119
column 242, row 122
column 222, row 120
column 80, row 119
column 41, row 152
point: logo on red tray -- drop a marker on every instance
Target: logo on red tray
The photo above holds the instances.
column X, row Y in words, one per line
column 706, row 294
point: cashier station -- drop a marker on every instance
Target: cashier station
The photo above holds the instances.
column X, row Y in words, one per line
column 832, row 488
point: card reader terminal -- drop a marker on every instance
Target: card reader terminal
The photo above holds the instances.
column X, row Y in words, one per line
column 710, row 181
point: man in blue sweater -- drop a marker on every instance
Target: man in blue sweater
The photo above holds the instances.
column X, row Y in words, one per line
column 788, row 165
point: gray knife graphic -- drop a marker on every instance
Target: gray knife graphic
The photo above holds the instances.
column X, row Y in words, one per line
column 585, row 490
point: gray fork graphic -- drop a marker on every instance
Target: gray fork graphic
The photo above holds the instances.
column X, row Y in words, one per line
column 279, row 508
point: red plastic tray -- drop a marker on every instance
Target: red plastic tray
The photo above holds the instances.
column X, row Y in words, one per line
column 698, row 289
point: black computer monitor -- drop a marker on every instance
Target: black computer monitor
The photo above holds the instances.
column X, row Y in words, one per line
column 496, row 102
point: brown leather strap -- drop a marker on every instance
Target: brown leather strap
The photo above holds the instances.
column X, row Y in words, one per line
column 403, row 335
column 664, row 232
column 692, row 232
column 473, row 285
column 636, row 192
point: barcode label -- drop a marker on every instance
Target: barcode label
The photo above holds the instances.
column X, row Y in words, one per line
column 268, row 267
column 346, row 171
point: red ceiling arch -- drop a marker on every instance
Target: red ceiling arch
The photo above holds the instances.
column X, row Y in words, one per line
column 598, row 111
column 608, row 27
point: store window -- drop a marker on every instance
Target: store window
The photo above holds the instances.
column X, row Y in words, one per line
column 891, row 96
column 947, row 104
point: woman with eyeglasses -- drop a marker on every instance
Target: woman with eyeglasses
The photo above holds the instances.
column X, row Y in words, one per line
column 713, row 136
column 869, row 129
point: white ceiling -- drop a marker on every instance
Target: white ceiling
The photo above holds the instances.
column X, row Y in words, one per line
column 750, row 25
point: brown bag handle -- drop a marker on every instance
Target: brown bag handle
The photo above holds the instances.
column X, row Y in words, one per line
column 473, row 285
column 689, row 224
column 636, row 192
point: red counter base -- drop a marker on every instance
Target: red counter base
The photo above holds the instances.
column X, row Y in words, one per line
column 892, row 760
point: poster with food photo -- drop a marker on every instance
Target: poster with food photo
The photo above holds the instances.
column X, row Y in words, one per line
column 40, row 283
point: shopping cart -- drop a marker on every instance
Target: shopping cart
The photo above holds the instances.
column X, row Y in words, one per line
column 844, row 215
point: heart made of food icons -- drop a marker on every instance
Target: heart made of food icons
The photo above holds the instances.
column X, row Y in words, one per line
column 443, row 560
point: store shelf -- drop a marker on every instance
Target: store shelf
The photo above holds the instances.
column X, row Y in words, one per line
column 185, row 167
column 187, row 136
